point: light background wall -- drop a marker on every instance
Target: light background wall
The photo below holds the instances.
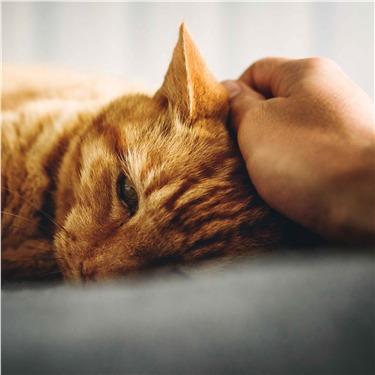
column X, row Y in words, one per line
column 136, row 39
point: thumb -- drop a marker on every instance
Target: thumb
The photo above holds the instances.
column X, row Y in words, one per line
column 241, row 99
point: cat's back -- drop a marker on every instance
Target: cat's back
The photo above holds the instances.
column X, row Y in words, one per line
column 23, row 86
column 39, row 105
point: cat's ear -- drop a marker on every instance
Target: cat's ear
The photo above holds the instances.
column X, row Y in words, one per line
column 189, row 87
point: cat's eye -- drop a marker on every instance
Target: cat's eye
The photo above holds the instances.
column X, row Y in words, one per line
column 127, row 194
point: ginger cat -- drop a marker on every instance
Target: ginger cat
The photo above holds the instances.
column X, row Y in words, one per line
column 97, row 184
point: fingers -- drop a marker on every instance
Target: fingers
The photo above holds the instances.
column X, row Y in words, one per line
column 273, row 76
column 241, row 98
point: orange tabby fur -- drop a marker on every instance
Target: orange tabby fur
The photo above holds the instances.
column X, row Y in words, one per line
column 64, row 145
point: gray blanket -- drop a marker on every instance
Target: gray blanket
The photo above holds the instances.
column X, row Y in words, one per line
column 307, row 314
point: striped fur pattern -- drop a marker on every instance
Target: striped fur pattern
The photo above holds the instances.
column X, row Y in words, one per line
column 67, row 149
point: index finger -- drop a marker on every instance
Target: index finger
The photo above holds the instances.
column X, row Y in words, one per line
column 272, row 76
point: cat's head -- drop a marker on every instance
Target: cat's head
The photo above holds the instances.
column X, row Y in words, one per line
column 158, row 181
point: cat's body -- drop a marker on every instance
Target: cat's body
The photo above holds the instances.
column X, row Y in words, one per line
column 96, row 187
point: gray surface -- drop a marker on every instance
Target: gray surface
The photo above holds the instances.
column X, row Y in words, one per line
column 305, row 315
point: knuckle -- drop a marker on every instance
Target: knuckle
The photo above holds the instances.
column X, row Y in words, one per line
column 319, row 64
column 242, row 109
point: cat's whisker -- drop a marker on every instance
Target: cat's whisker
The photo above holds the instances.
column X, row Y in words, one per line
column 41, row 241
column 42, row 253
column 28, row 220
column 38, row 255
column 50, row 273
column 24, row 229
column 48, row 254
column 20, row 195
column 49, row 217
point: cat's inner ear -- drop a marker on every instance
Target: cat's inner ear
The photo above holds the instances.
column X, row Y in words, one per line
column 189, row 87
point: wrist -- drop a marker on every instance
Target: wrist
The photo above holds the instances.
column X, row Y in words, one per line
column 351, row 204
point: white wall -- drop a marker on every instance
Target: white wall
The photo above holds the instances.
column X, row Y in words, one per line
column 136, row 39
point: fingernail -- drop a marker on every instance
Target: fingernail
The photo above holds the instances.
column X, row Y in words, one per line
column 232, row 87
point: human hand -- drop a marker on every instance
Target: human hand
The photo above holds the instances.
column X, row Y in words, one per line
column 306, row 133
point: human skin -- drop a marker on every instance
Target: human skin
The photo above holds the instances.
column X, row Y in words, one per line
column 306, row 133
